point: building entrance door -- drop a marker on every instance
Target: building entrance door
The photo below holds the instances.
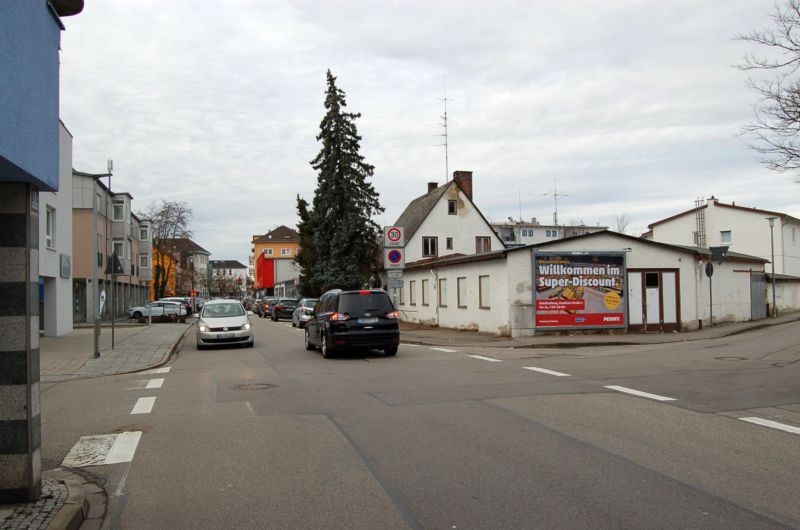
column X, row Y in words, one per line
column 653, row 301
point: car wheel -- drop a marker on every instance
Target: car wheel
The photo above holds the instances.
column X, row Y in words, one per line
column 293, row 324
column 390, row 350
column 309, row 346
column 327, row 351
column 200, row 346
column 137, row 314
column 251, row 344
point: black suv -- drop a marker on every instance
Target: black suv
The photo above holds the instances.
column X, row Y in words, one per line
column 353, row 319
column 283, row 308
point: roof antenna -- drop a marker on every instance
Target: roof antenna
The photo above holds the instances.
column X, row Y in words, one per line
column 445, row 144
column 555, row 195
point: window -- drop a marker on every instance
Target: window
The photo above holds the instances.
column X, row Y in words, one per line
column 119, row 210
column 484, row 295
column 129, row 246
column 118, row 248
column 725, row 237
column 449, row 243
column 483, row 244
column 50, row 227
column 461, row 287
column 551, row 233
column 143, row 236
column 425, row 292
column 143, row 262
column 429, row 247
column 696, row 238
column 442, row 292
column 286, row 252
column 526, row 232
column 268, row 252
column 452, row 207
column 402, row 299
column 411, row 292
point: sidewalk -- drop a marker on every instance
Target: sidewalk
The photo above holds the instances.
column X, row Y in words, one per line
column 430, row 336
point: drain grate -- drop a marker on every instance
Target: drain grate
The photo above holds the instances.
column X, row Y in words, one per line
column 256, row 386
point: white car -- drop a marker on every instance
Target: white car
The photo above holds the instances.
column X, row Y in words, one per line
column 224, row 323
column 162, row 310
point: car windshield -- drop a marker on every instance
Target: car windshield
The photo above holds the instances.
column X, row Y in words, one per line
column 309, row 302
column 223, row 310
column 357, row 304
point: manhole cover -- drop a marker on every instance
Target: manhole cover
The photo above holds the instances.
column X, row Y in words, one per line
column 731, row 358
column 256, row 386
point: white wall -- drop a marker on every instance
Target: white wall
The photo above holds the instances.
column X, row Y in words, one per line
column 462, row 227
column 57, row 310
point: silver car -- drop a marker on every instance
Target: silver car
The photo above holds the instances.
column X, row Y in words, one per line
column 162, row 310
column 224, row 323
column 303, row 312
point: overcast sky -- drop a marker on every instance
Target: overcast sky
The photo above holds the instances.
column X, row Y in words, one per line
column 628, row 107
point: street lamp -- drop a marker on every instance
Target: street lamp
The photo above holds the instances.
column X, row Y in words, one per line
column 772, row 251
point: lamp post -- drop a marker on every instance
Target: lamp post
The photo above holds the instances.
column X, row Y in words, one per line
column 772, row 252
column 95, row 253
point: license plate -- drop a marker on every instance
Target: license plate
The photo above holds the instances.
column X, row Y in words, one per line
column 367, row 320
column 225, row 335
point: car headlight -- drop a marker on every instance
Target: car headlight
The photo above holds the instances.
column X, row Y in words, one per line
column 203, row 328
column 246, row 326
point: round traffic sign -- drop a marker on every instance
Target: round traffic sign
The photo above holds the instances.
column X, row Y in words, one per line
column 394, row 235
column 394, row 256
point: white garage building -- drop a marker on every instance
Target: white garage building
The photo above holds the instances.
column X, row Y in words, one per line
column 665, row 287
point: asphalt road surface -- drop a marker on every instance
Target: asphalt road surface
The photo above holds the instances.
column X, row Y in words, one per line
column 278, row 437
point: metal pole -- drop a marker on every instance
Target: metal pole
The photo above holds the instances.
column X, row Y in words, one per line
column 113, row 298
column 710, row 304
column 772, row 251
column 95, row 289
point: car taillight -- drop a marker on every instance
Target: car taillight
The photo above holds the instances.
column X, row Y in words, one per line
column 279, row 307
column 340, row 316
column 393, row 314
column 364, row 292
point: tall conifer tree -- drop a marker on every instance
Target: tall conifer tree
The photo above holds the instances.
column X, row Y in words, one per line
column 346, row 239
column 307, row 256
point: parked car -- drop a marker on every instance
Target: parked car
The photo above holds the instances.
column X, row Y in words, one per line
column 263, row 309
column 303, row 312
column 353, row 319
column 283, row 308
column 224, row 323
column 161, row 310
column 187, row 302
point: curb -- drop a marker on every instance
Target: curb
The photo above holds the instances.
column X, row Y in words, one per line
column 72, row 515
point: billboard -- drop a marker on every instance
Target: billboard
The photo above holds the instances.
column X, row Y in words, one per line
column 579, row 290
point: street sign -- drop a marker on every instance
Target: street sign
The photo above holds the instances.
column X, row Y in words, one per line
column 393, row 258
column 396, row 273
column 709, row 269
column 395, row 283
column 393, row 237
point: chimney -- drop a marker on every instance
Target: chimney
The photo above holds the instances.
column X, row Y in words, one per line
column 432, row 186
column 464, row 180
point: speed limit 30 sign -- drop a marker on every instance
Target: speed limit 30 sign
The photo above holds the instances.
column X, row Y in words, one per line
column 393, row 237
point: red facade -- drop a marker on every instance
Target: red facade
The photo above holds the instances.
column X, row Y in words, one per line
column 265, row 272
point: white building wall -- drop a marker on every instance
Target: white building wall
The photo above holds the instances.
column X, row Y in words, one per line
column 462, row 227
column 790, row 249
column 57, row 308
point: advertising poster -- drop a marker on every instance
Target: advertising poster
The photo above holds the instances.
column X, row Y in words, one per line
column 579, row 290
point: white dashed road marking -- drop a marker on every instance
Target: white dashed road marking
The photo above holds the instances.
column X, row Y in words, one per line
column 154, row 383
column 444, row 350
column 482, row 358
column 772, row 424
column 546, row 371
column 640, row 393
column 164, row 370
column 144, row 405
column 103, row 449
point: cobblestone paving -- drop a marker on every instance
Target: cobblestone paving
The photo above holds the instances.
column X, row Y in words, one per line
column 34, row 515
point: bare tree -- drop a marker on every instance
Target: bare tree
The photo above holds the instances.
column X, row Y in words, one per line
column 776, row 126
column 622, row 222
column 170, row 221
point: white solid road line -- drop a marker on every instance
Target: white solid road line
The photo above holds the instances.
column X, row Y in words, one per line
column 546, row 371
column 124, row 447
column 482, row 358
column 444, row 350
column 640, row 393
column 144, row 405
column 164, row 370
column 154, row 383
column 772, row 424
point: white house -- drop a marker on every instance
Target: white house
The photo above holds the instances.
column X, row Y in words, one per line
column 520, row 233
column 743, row 229
column 445, row 221
column 662, row 287
column 55, row 246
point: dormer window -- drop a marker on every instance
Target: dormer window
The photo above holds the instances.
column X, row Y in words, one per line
column 452, row 207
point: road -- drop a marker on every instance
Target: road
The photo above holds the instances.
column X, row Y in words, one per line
column 278, row 437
